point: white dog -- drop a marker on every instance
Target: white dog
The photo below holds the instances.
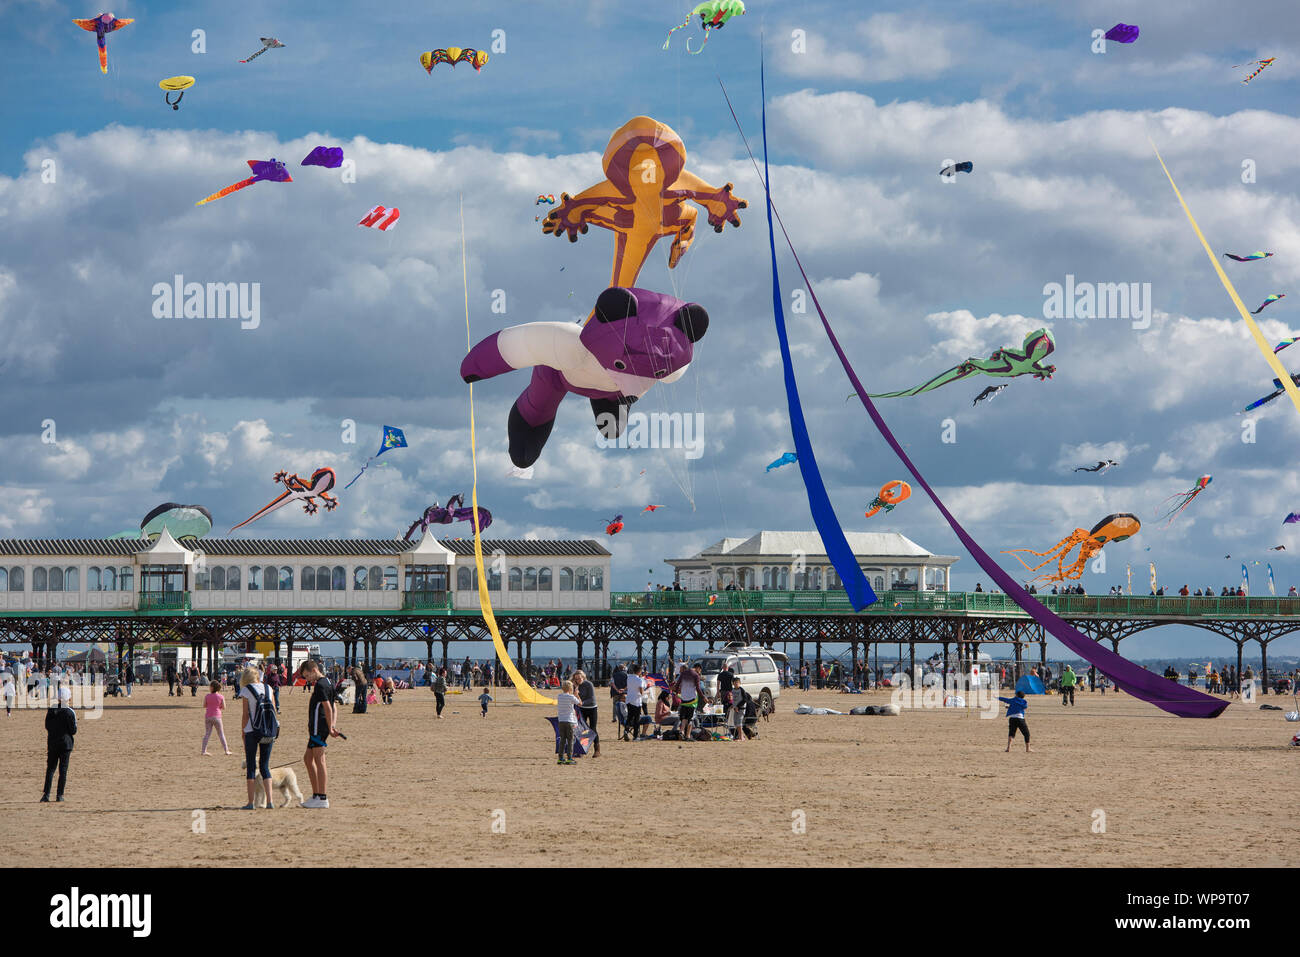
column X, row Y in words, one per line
column 282, row 780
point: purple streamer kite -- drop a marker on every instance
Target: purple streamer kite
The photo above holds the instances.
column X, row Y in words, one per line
column 1142, row 684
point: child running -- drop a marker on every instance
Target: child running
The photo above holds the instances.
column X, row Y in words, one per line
column 484, row 698
column 1016, row 708
column 214, row 703
column 566, row 716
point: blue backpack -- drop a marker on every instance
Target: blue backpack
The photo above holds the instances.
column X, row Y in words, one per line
column 265, row 720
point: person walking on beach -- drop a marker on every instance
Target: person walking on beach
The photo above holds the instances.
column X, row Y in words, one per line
column 1068, row 681
column 359, row 683
column 171, row 680
column 1016, row 710
column 689, row 689
column 566, row 721
column 439, row 686
column 214, row 703
column 60, row 728
column 586, row 692
column 484, row 698
column 261, row 725
column 321, row 717
column 129, row 678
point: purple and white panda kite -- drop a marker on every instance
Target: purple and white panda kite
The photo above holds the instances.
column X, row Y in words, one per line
column 633, row 339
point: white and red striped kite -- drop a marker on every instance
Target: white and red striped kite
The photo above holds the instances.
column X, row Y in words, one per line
column 381, row 217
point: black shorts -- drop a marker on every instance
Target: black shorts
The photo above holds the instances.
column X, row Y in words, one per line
column 686, row 712
column 315, row 742
column 1018, row 724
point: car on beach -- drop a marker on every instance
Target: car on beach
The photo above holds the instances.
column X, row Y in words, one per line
column 756, row 668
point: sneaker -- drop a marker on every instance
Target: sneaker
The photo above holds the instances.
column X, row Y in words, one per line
column 559, row 760
column 315, row 802
column 59, row 799
column 45, row 799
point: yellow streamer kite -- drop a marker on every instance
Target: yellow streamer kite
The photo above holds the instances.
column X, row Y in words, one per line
column 527, row 694
column 1265, row 349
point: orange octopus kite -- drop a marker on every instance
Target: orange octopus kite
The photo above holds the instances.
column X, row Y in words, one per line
column 643, row 199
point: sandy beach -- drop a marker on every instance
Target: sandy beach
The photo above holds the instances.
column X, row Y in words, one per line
column 926, row 788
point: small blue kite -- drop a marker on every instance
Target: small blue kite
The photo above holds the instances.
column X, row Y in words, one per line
column 394, row 438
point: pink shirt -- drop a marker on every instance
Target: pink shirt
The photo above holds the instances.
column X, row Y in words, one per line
column 213, row 705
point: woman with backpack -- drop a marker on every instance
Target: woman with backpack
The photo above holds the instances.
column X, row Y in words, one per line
column 261, row 723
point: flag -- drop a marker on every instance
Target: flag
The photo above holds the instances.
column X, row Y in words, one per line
column 1245, row 579
column 1153, row 578
column 1271, row 589
column 1130, row 579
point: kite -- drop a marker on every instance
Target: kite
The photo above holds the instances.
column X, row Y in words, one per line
column 1183, row 499
column 1129, row 677
column 1099, row 467
column 1263, row 64
column 1258, row 254
column 393, row 438
column 615, row 526
column 583, row 737
column 177, row 85
column 271, row 171
column 1006, row 362
column 381, row 217
column 1291, row 518
column 956, row 168
column 295, row 490
column 1277, row 385
column 643, row 198
column 713, row 15
column 547, row 199
column 787, row 458
column 453, row 55
column 639, row 338
column 268, row 43
column 890, row 495
column 651, row 508
column 445, row 515
column 185, row 522
column 331, row 157
column 101, row 26
column 1112, row 528
column 1278, row 548
column 1122, row 33
column 988, row 393
column 1273, row 298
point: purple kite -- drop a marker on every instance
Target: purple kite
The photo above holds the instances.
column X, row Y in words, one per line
column 331, row 157
column 445, row 515
column 103, row 24
column 1271, row 299
column 583, row 737
column 1122, row 33
column 1134, row 679
column 1291, row 518
column 271, row 171
column 1260, row 254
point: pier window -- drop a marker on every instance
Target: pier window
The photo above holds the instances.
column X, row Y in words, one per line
column 16, row 578
column 566, row 579
column 580, row 580
column 232, row 578
column 71, row 579
column 390, row 578
column 465, row 579
column 125, row 578
column 516, row 578
column 543, row 579
column 285, row 578
column 202, row 579
column 596, row 580
column 255, row 578
column 4, row 580
column 359, row 575
column 216, row 578
column 108, row 579
column 494, row 578
column 55, row 579
column 93, row 579
column 40, row 579
column 426, row 578
column 338, row 578
column 530, row 578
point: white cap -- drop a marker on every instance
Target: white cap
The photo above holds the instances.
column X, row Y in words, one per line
column 65, row 694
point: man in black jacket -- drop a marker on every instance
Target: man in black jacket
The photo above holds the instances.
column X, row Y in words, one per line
column 60, row 727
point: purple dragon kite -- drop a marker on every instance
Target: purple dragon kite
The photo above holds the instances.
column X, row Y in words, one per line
column 445, row 515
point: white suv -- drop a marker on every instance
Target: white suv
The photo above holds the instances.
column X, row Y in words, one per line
column 755, row 669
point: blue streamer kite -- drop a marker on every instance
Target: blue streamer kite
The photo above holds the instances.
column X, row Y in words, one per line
column 393, row 439
column 823, row 514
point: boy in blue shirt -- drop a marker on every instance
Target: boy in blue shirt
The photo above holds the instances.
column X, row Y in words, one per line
column 1016, row 708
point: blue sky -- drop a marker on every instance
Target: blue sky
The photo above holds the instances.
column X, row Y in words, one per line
column 916, row 274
